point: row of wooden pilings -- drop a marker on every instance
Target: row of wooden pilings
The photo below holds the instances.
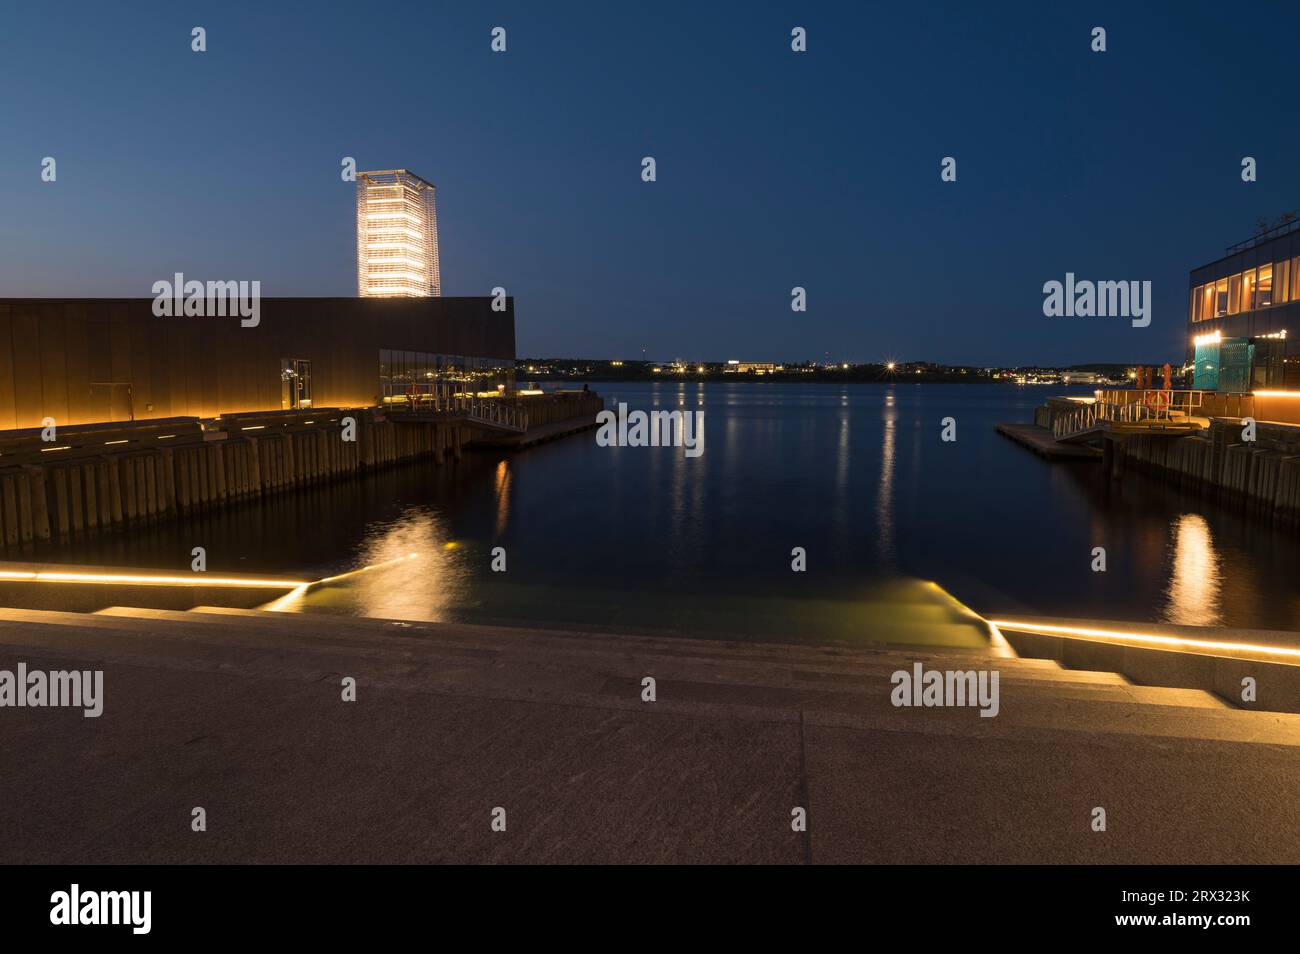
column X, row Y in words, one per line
column 1264, row 472
column 107, row 476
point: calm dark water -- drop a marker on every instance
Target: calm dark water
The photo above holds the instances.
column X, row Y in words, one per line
column 856, row 475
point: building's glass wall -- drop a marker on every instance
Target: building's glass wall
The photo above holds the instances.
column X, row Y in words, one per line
column 1250, row 290
column 1268, row 368
column 405, row 374
column 1205, row 376
column 1236, row 358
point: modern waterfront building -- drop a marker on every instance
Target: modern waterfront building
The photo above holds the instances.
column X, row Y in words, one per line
column 85, row 361
column 1244, row 316
column 397, row 236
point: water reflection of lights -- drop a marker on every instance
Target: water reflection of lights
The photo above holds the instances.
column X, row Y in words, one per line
column 1194, row 584
column 501, row 487
column 885, row 492
column 413, row 589
column 409, row 570
column 291, row 602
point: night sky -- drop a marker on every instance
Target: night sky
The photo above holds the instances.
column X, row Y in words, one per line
column 775, row 169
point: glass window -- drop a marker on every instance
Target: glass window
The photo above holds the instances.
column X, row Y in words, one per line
column 1281, row 282
column 1264, row 286
column 1295, row 278
column 1234, row 293
column 1247, row 290
column 1220, row 297
column 1193, row 312
column 1207, row 301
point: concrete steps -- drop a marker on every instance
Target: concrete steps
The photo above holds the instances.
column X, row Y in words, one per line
column 585, row 669
column 241, row 713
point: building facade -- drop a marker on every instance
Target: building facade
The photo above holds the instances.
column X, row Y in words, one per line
column 397, row 236
column 1242, row 310
column 85, row 361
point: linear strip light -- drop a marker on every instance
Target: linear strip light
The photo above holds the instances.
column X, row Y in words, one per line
column 1044, row 629
column 47, row 576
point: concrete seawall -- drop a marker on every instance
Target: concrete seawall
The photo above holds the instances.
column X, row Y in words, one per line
column 1265, row 473
column 1215, row 461
column 103, row 477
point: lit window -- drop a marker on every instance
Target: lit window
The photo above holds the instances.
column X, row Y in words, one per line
column 1234, row 294
column 1281, row 282
column 1264, row 287
column 1220, row 297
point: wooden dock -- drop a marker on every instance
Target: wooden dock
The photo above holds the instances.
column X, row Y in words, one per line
column 1041, row 442
column 537, row 435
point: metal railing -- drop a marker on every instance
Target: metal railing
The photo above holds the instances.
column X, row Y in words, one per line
column 1267, row 235
column 1128, row 407
column 1167, row 404
column 440, row 401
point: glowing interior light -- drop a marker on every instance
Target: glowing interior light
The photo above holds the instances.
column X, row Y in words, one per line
column 396, row 212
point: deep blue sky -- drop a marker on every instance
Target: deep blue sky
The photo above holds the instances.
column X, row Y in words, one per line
column 775, row 169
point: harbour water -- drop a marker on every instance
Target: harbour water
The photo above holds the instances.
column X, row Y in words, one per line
column 856, row 475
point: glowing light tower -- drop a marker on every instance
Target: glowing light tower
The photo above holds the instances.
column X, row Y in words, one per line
column 397, row 236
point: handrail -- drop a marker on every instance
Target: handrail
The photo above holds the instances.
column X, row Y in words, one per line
column 483, row 410
column 1128, row 407
column 1282, row 228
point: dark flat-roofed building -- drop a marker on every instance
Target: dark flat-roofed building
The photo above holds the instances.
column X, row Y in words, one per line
column 1243, row 313
column 88, row 360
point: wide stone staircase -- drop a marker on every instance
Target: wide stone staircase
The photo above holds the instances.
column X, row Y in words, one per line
column 241, row 712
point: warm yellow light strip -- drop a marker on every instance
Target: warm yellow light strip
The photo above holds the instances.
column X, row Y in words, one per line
column 46, row 576
column 1276, row 393
column 1045, row 629
column 364, row 569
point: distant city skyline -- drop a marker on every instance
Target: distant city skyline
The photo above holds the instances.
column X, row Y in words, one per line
column 775, row 169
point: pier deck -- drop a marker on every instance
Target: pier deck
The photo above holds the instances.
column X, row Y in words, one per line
column 1041, row 442
column 537, row 435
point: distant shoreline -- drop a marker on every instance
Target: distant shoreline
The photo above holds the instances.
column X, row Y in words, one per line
column 577, row 370
column 523, row 377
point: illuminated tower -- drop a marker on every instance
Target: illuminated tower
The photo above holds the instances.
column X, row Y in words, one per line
column 397, row 236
